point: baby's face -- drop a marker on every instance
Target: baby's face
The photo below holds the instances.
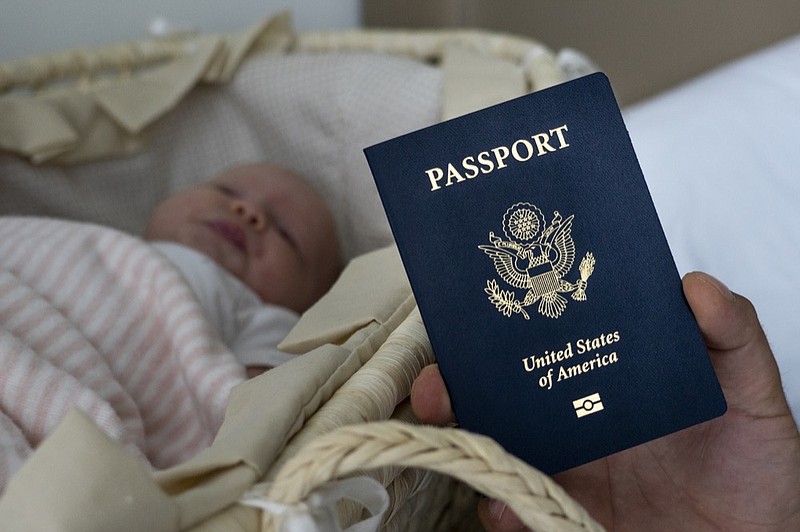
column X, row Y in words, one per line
column 263, row 224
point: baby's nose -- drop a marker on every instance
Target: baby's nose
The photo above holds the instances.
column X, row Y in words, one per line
column 252, row 216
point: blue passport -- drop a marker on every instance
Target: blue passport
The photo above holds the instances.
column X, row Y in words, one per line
column 544, row 278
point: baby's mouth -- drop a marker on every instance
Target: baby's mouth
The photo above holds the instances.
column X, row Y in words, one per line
column 230, row 233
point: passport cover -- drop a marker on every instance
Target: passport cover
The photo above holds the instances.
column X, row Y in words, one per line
column 544, row 279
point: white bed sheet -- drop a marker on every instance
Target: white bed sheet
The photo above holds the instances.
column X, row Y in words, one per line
column 721, row 155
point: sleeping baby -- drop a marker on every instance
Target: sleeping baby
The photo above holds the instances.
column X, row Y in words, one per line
column 91, row 320
column 258, row 245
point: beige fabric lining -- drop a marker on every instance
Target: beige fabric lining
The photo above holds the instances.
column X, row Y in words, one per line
column 499, row 79
column 77, row 466
column 103, row 116
column 361, row 297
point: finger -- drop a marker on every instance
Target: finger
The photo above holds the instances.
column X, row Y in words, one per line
column 429, row 398
column 495, row 516
column 737, row 345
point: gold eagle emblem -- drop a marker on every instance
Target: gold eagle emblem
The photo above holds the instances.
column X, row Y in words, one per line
column 535, row 258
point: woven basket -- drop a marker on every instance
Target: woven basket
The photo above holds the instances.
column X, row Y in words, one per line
column 433, row 475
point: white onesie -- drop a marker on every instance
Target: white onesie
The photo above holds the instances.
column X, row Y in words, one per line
column 250, row 328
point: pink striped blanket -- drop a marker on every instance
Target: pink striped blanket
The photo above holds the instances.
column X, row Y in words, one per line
column 94, row 319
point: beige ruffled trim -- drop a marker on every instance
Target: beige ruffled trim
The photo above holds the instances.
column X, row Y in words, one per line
column 85, row 104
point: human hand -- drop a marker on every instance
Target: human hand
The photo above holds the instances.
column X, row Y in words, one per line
column 739, row 472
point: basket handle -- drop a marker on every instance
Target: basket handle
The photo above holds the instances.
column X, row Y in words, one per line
column 476, row 460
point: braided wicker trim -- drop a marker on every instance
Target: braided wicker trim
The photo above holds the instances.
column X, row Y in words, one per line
column 121, row 59
column 423, row 44
column 536, row 60
column 473, row 459
column 86, row 63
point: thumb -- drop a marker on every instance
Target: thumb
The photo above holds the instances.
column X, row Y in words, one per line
column 429, row 398
column 737, row 345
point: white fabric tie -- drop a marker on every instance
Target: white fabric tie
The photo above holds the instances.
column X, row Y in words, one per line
column 317, row 513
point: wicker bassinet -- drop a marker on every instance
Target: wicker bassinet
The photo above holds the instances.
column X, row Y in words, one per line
column 341, row 409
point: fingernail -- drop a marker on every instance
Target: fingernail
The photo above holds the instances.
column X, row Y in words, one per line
column 720, row 286
column 497, row 509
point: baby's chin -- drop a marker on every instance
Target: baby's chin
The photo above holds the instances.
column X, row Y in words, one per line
column 221, row 252
column 229, row 258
